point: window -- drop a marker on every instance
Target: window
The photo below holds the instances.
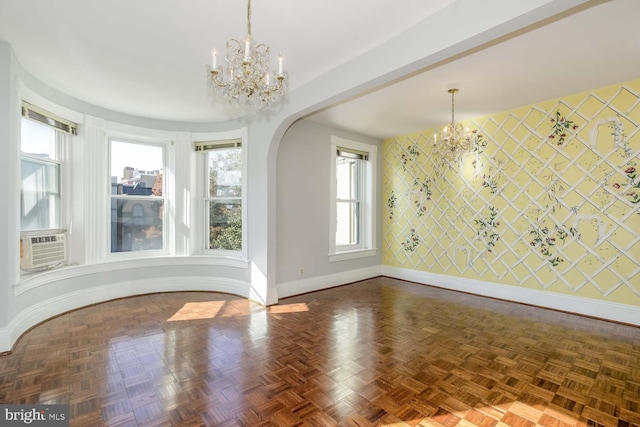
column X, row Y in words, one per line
column 352, row 199
column 349, row 191
column 223, row 194
column 137, row 197
column 42, row 143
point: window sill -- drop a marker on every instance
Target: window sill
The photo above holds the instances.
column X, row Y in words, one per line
column 33, row 280
column 344, row 256
column 222, row 260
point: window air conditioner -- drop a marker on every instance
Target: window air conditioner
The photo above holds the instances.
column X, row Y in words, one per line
column 42, row 251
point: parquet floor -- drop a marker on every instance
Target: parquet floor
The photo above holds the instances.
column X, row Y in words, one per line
column 379, row 352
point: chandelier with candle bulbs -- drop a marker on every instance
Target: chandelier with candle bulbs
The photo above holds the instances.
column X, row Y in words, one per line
column 455, row 138
column 248, row 79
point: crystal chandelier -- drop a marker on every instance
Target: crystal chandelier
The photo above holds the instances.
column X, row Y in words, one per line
column 455, row 140
column 248, row 79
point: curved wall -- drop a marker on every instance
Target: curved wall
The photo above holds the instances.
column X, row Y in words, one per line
column 70, row 288
column 94, row 275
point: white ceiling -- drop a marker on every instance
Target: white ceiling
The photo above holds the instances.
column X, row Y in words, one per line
column 592, row 48
column 147, row 57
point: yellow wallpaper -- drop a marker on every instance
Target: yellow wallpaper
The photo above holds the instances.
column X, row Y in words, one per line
column 547, row 199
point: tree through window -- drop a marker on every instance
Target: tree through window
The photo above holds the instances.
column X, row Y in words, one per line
column 223, row 201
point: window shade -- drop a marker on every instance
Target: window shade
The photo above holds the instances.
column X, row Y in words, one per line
column 218, row 145
column 350, row 153
column 49, row 119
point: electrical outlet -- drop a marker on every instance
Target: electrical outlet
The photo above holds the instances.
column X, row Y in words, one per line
column 301, row 271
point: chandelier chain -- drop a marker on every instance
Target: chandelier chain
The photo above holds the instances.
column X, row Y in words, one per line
column 452, row 107
column 452, row 92
column 249, row 17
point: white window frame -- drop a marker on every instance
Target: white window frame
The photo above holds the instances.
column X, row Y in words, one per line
column 367, row 215
column 63, row 129
column 355, row 204
column 60, row 145
column 200, row 240
column 167, row 228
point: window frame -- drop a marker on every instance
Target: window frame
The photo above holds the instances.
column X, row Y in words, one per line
column 367, row 201
column 201, row 240
column 61, row 147
column 166, row 226
column 355, row 204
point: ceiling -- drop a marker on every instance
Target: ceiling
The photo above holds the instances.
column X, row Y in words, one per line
column 592, row 48
column 147, row 57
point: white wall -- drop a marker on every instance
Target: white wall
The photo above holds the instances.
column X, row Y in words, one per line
column 303, row 185
column 6, row 215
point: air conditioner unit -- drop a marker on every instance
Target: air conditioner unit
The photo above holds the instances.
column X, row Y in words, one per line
column 42, row 251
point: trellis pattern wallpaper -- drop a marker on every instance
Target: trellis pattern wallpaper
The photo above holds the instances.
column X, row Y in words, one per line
column 548, row 198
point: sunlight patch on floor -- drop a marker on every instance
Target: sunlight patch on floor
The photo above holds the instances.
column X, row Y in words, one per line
column 506, row 414
column 197, row 311
column 288, row 308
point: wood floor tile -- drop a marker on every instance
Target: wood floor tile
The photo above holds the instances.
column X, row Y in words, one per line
column 378, row 352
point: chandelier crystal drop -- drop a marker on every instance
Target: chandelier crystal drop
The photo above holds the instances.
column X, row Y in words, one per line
column 455, row 138
column 248, row 79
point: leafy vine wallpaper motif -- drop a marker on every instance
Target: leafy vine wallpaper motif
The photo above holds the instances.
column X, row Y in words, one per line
column 487, row 228
column 423, row 192
column 412, row 154
column 551, row 191
column 491, row 183
column 545, row 240
column 391, row 204
column 560, row 127
column 479, row 144
column 634, row 184
column 411, row 242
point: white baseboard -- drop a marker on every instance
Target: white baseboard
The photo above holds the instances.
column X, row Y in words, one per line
column 585, row 306
column 312, row 284
column 44, row 310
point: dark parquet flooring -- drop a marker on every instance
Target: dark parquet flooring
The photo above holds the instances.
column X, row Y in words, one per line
column 378, row 352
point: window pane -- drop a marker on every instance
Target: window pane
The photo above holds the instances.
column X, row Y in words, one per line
column 347, row 230
column 225, row 172
column 136, row 169
column 136, row 225
column 38, row 140
column 224, row 201
column 225, row 224
column 40, row 195
column 347, row 178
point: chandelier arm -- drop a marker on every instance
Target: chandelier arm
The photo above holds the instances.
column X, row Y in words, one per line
column 277, row 86
column 216, row 80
